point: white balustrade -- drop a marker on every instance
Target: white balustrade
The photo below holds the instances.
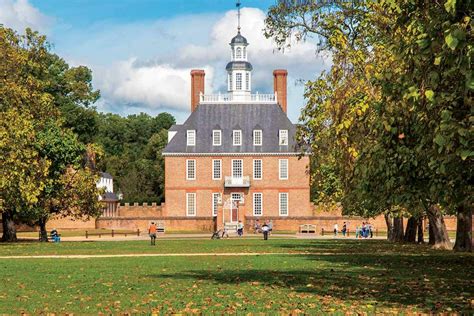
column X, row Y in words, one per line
column 233, row 98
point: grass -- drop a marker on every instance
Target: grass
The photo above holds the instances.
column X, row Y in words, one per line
column 354, row 276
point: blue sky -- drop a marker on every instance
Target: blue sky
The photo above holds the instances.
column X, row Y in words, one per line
column 141, row 51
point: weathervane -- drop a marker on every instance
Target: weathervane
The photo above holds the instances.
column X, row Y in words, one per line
column 237, row 4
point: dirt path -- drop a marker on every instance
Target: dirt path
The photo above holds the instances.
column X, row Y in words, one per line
column 203, row 254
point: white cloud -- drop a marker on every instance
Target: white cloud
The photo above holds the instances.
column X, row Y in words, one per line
column 157, row 86
column 20, row 14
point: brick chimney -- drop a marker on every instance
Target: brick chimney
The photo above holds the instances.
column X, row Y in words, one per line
column 279, row 86
column 197, row 86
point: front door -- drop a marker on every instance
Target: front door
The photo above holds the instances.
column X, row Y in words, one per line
column 234, row 211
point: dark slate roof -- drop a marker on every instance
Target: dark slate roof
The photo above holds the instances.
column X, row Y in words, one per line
column 106, row 175
column 239, row 39
column 228, row 117
column 239, row 65
column 174, row 127
column 109, row 196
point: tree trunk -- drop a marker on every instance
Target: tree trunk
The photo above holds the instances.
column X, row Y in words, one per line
column 388, row 222
column 438, row 229
column 431, row 239
column 410, row 232
column 9, row 229
column 398, row 229
column 43, row 233
column 464, row 229
column 419, row 225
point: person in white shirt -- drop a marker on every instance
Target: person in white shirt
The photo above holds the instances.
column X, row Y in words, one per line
column 265, row 231
column 336, row 229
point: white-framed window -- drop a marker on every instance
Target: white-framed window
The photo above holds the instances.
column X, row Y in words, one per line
column 230, row 82
column 216, row 199
column 191, row 204
column 190, row 169
column 257, row 204
column 239, row 53
column 237, row 168
column 257, row 169
column 283, row 137
column 237, row 197
column 216, row 169
column 244, row 53
column 237, row 137
column 238, row 81
column 247, row 81
column 257, row 137
column 191, row 137
column 216, row 137
column 283, row 197
column 283, row 167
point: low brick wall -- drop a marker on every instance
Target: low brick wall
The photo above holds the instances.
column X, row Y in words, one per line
column 170, row 223
column 133, row 216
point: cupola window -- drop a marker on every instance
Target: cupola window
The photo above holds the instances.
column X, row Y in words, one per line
column 238, row 81
column 239, row 53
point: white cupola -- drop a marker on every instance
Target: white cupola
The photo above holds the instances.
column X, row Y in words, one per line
column 239, row 70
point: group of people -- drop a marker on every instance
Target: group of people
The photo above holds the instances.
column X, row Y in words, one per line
column 362, row 231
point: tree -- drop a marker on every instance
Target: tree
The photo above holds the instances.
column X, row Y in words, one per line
column 41, row 151
column 399, row 125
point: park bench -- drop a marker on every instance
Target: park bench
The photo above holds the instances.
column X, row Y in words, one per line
column 160, row 228
column 307, row 229
column 50, row 238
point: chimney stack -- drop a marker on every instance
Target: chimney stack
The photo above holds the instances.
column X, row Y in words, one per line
column 197, row 87
column 279, row 86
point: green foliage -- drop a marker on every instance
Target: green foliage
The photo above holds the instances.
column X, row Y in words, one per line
column 133, row 148
column 393, row 115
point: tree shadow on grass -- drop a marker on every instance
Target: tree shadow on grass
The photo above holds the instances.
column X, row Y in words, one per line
column 428, row 283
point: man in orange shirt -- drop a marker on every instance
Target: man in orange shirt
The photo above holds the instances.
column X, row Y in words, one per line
column 152, row 233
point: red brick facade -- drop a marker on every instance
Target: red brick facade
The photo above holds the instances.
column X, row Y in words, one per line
column 296, row 186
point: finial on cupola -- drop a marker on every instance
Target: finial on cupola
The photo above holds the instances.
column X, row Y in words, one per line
column 237, row 4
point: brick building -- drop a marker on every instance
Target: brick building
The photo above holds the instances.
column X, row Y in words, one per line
column 235, row 158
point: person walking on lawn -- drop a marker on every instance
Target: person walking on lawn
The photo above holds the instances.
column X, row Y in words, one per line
column 265, row 231
column 152, row 232
column 240, row 229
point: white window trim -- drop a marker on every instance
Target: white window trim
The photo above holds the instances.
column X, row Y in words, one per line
column 261, row 169
column 261, row 203
column 232, row 167
column 216, row 210
column 218, row 131
column 287, row 203
column 188, row 132
column 261, row 137
column 187, row 204
column 233, row 137
column 213, row 167
column 280, row 138
column 187, row 169
column 287, row 169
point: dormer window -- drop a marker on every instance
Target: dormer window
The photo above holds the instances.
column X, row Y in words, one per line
column 191, row 137
column 237, row 137
column 283, row 137
column 216, row 137
column 257, row 137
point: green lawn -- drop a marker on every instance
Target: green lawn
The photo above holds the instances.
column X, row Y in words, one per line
column 366, row 276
